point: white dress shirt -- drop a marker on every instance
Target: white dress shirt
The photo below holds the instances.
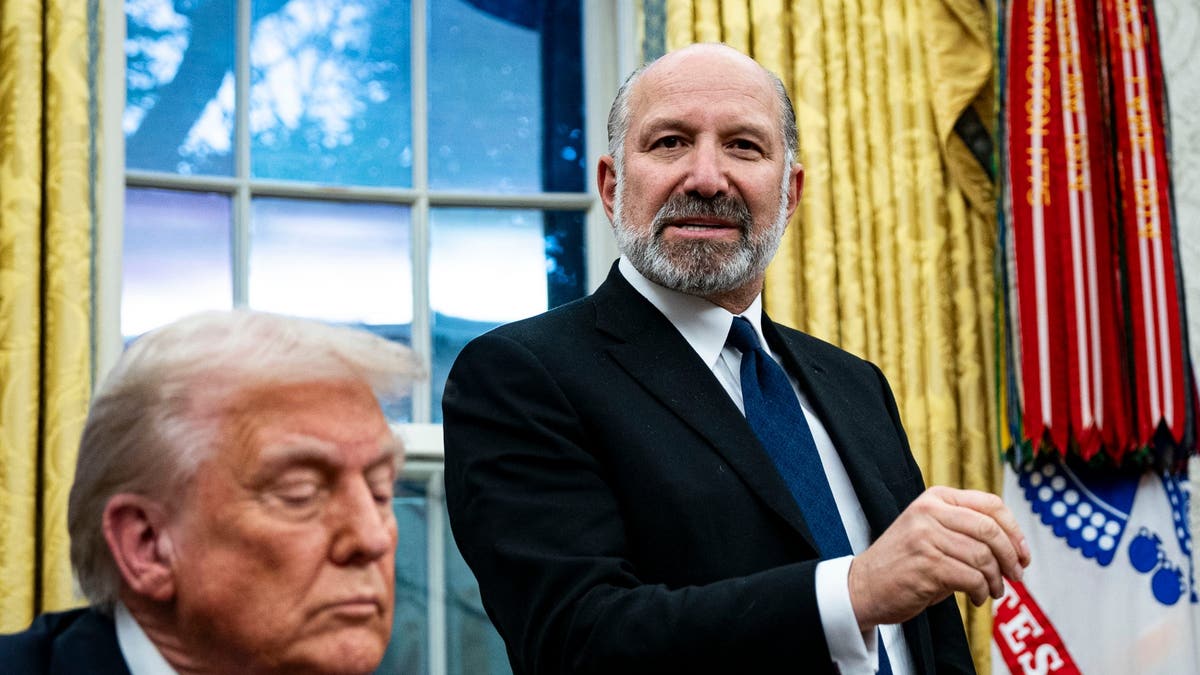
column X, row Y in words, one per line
column 705, row 326
column 141, row 656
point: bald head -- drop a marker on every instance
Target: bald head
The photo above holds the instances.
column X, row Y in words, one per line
column 666, row 72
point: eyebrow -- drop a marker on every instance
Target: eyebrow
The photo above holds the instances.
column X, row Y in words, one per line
column 659, row 124
column 390, row 451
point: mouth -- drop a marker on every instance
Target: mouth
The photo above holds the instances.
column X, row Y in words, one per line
column 700, row 228
column 355, row 608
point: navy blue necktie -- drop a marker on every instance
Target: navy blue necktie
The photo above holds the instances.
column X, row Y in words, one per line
column 774, row 414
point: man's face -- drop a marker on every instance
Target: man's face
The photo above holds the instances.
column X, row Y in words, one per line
column 285, row 546
column 702, row 194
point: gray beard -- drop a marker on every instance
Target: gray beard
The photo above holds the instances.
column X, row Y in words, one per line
column 701, row 268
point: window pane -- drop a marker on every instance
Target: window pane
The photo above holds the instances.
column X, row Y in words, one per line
column 488, row 267
column 506, row 96
column 340, row 262
column 330, row 93
column 176, row 257
column 179, row 86
column 407, row 652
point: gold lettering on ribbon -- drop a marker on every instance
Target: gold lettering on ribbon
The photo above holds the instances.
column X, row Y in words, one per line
column 1077, row 179
column 1146, row 203
column 1038, row 157
column 1130, row 39
column 1037, row 105
column 1142, row 138
column 1074, row 90
column 1076, row 173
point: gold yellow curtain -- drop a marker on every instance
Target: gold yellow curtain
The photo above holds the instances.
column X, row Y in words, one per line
column 891, row 252
column 45, row 293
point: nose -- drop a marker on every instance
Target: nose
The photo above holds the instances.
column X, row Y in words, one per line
column 363, row 528
column 707, row 175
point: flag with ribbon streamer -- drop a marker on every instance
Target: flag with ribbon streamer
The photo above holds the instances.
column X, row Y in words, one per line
column 1098, row 397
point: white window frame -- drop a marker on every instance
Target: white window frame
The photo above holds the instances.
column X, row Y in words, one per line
column 611, row 50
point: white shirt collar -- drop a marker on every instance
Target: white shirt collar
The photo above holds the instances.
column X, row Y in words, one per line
column 141, row 656
column 704, row 325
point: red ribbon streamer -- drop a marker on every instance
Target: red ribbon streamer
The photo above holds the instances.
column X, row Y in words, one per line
column 1099, row 395
column 1035, row 176
column 1144, row 184
column 1086, row 173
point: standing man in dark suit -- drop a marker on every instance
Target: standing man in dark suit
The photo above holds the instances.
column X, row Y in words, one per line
column 232, row 505
column 637, row 485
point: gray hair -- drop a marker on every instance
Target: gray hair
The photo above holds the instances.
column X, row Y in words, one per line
column 142, row 435
column 618, row 116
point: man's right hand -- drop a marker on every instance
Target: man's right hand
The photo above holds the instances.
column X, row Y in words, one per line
column 947, row 540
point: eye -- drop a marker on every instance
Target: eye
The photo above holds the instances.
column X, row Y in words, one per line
column 298, row 494
column 668, row 142
column 744, row 145
column 381, row 481
column 382, row 491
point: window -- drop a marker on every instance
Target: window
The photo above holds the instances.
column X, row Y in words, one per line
column 422, row 168
column 415, row 167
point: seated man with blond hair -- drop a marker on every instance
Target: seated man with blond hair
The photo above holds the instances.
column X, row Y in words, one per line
column 232, row 505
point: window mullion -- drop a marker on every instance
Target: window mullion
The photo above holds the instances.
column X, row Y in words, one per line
column 240, row 245
column 422, row 341
column 435, row 529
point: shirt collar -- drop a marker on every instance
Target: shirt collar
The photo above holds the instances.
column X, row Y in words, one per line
column 704, row 325
column 141, row 656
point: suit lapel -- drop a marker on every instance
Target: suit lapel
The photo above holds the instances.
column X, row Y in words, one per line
column 837, row 405
column 654, row 354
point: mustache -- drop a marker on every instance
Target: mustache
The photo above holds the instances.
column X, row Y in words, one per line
column 687, row 206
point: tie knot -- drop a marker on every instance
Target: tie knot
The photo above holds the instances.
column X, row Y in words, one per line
column 742, row 336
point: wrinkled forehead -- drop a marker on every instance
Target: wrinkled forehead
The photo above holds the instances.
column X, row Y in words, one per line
column 345, row 413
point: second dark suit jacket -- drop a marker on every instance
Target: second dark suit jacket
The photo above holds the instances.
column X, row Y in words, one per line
column 77, row 642
column 622, row 517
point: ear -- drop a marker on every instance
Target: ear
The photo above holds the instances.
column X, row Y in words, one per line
column 795, row 187
column 135, row 528
column 606, row 182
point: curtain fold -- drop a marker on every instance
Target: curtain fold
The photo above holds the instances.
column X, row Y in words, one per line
column 46, row 166
column 891, row 252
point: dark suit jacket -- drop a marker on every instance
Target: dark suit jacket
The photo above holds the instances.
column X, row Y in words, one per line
column 77, row 642
column 622, row 517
